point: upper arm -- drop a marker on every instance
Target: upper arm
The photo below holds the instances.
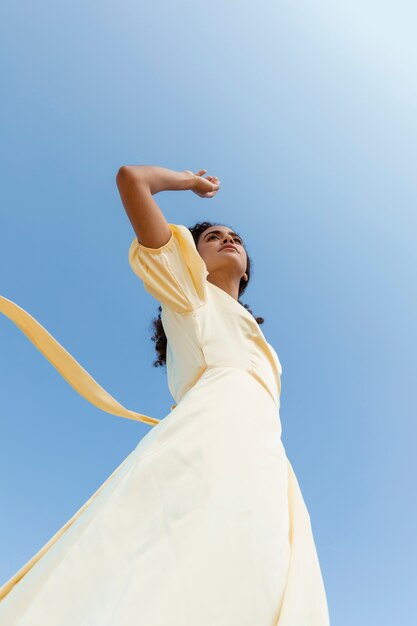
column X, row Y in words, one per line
column 147, row 219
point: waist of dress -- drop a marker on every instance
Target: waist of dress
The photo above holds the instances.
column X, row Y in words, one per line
column 272, row 390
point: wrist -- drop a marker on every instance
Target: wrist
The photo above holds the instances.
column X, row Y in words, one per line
column 189, row 179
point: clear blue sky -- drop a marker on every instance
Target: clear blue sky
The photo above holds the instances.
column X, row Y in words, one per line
column 306, row 112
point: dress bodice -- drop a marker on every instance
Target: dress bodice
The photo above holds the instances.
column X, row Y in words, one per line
column 205, row 326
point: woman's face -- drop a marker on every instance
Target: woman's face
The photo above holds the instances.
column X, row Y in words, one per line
column 218, row 258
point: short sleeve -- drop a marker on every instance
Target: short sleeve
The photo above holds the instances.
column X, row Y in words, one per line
column 175, row 274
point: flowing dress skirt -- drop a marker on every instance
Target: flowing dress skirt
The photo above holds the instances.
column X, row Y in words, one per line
column 192, row 529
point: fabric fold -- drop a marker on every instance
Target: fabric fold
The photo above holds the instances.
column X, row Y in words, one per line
column 304, row 599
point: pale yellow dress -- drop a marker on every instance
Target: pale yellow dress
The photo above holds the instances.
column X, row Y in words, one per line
column 203, row 524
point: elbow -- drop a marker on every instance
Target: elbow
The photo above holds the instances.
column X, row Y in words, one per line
column 124, row 178
column 128, row 174
column 123, row 173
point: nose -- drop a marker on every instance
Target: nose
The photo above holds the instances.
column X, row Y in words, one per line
column 226, row 237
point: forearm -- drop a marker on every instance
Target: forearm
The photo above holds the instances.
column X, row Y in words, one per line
column 157, row 178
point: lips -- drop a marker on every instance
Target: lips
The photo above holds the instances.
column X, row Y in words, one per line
column 229, row 245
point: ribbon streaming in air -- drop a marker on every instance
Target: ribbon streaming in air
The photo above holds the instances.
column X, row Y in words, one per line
column 66, row 365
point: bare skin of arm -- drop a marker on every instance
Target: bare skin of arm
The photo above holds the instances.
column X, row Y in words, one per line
column 138, row 183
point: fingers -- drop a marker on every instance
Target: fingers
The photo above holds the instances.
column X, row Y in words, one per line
column 213, row 179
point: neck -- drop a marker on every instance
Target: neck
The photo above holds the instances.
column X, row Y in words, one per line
column 229, row 285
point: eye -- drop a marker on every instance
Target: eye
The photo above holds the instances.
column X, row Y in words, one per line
column 238, row 239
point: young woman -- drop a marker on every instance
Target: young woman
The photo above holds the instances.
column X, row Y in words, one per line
column 203, row 524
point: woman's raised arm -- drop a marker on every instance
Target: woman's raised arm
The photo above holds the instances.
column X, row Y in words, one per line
column 138, row 183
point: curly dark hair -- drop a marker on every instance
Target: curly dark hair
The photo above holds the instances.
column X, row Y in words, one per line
column 159, row 336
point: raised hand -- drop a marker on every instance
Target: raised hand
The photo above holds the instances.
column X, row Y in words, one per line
column 204, row 187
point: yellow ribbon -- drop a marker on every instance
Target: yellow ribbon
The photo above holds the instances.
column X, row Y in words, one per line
column 66, row 365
